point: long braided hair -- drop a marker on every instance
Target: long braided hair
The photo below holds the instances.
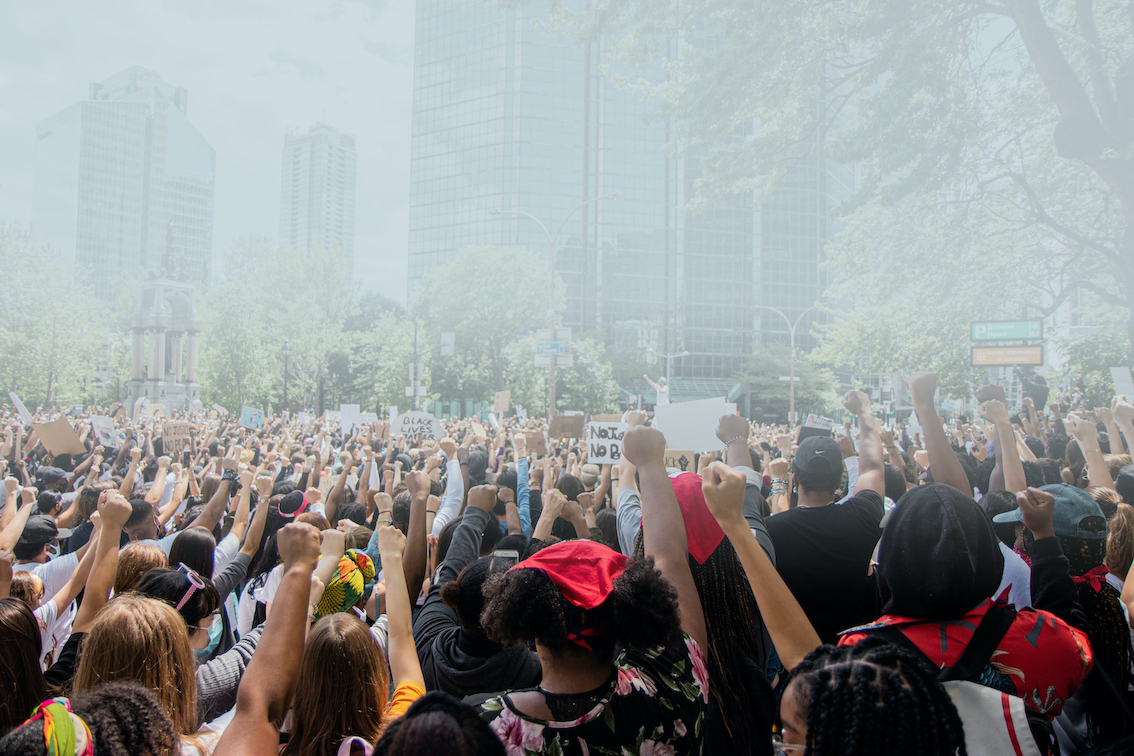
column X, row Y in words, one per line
column 1109, row 635
column 736, row 643
column 874, row 697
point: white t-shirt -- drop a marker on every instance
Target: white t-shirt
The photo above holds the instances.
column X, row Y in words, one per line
column 663, row 394
column 54, row 573
column 54, row 630
column 1018, row 576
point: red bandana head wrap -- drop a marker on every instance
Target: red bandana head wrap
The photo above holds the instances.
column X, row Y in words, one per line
column 701, row 528
column 583, row 571
column 1095, row 577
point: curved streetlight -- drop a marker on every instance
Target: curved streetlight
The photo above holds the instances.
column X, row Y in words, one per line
column 791, row 334
column 551, row 242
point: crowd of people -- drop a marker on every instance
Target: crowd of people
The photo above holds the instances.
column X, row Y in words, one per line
column 307, row 589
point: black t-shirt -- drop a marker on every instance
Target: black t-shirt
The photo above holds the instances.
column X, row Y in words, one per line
column 823, row 554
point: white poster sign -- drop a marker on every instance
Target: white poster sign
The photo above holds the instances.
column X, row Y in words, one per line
column 604, row 442
column 692, row 425
column 103, row 428
column 418, row 425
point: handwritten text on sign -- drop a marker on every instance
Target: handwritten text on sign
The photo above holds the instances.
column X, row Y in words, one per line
column 418, row 425
column 604, row 443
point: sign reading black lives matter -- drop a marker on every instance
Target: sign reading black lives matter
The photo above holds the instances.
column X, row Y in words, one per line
column 604, row 442
column 418, row 425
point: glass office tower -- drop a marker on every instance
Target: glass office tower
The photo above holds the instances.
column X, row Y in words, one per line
column 122, row 178
column 318, row 190
column 508, row 118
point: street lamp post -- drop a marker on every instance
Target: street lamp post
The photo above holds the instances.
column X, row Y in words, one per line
column 791, row 334
column 551, row 242
column 286, row 354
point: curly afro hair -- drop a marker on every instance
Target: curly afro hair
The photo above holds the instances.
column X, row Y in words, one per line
column 524, row 605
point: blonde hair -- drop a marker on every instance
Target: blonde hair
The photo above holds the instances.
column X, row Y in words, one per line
column 1120, row 541
column 134, row 561
column 27, row 587
column 143, row 640
column 1116, row 462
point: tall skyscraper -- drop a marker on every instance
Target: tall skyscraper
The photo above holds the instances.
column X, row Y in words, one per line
column 508, row 120
column 317, row 195
column 122, row 179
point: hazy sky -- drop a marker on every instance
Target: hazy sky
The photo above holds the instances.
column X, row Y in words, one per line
column 254, row 69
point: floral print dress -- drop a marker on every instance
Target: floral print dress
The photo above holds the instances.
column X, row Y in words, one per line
column 655, row 706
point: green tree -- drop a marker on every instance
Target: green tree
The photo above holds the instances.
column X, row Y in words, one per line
column 1090, row 358
column 54, row 333
column 771, row 398
column 587, row 386
column 488, row 297
column 991, row 139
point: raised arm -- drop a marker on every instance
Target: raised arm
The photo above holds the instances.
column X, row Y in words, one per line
column 404, row 664
column 943, row 462
column 1087, row 435
column 871, row 470
column 127, row 486
column 113, row 511
column 788, row 626
column 1007, row 458
column 214, row 510
column 663, row 527
column 416, row 548
column 268, row 685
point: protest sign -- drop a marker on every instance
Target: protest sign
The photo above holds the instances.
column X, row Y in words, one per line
column 478, row 431
column 25, row 416
column 351, row 417
column 103, row 428
column 58, row 437
column 692, row 425
column 680, row 459
column 221, row 411
column 606, row 418
column 493, row 421
column 418, row 425
column 566, row 426
column 332, row 416
column 815, row 425
column 174, row 438
column 502, row 402
column 604, row 442
column 251, row 418
column 303, row 417
column 1123, row 382
column 536, row 442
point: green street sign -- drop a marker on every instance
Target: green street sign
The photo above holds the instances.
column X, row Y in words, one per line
column 1006, row 330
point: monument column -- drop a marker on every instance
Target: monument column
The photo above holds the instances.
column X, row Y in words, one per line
column 159, row 353
column 192, row 357
column 137, row 367
column 177, row 349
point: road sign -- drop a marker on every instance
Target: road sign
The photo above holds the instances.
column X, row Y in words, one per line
column 551, row 347
column 1002, row 330
column 1001, row 356
column 553, row 334
column 547, row 360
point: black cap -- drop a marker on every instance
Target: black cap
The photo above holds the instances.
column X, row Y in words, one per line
column 50, row 475
column 42, row 529
column 1124, row 484
column 818, row 455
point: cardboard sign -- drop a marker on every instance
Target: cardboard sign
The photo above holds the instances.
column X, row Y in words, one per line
column 536, row 442
column 566, row 426
column 502, row 402
column 251, row 418
column 692, row 425
column 221, row 411
column 680, row 459
column 151, row 410
column 103, row 428
column 478, row 431
column 58, row 437
column 174, row 439
column 418, row 425
column 606, row 418
column 25, row 416
column 604, row 442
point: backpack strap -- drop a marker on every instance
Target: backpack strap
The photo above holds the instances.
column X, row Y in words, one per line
column 991, row 630
column 987, row 636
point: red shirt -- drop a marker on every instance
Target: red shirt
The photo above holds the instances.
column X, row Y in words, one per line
column 1041, row 658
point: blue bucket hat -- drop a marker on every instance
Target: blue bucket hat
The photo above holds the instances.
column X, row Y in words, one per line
column 1077, row 514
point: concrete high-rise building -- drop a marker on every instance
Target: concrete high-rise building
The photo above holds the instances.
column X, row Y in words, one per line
column 509, row 120
column 317, row 190
column 122, row 179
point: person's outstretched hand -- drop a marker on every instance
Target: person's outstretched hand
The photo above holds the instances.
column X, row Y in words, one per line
column 642, row 445
column 778, row 468
column 484, row 497
column 856, row 402
column 922, row 385
column 1082, row 431
column 1038, row 510
column 994, row 411
column 391, row 543
column 635, row 418
column 298, row 543
column 417, row 483
column 114, row 509
column 723, row 488
column 732, row 426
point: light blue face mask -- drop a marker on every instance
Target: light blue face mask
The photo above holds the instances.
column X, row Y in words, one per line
column 215, row 630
